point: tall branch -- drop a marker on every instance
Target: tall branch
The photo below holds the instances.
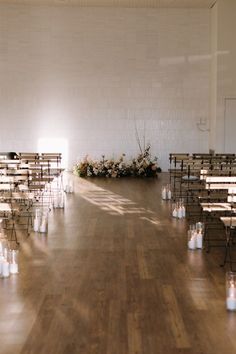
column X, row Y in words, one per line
column 137, row 137
column 144, row 136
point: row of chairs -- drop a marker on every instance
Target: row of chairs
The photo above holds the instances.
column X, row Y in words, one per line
column 186, row 169
column 207, row 184
column 28, row 181
column 188, row 172
column 219, row 216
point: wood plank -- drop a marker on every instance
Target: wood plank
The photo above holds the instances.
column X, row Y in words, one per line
column 134, row 334
column 175, row 318
column 142, row 263
column 106, row 282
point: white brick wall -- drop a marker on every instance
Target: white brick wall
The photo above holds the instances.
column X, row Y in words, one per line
column 223, row 69
column 85, row 74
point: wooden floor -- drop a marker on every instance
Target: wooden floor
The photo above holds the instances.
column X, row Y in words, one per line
column 114, row 276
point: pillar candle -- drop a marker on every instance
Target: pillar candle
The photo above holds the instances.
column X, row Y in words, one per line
column 1, row 248
column 231, row 303
column 5, row 269
column 36, row 224
column 14, row 268
column 175, row 213
column 180, row 213
column 61, row 202
column 199, row 239
column 1, row 262
column 163, row 193
column 192, row 241
column 43, row 226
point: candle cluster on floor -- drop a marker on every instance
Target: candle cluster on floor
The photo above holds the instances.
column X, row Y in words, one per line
column 231, row 291
column 8, row 260
column 69, row 187
column 166, row 192
column 59, row 200
column 195, row 236
column 178, row 210
column 41, row 221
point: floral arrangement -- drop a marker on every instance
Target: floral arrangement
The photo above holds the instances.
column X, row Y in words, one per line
column 141, row 166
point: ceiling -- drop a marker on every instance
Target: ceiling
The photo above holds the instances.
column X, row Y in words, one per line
column 120, row 3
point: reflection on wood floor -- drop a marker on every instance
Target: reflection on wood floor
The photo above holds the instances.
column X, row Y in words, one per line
column 114, row 276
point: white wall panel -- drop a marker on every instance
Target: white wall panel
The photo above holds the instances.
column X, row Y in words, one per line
column 85, row 75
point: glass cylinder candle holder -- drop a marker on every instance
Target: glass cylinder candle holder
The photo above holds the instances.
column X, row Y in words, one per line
column 164, row 193
column 174, row 210
column 192, row 237
column 180, row 211
column 71, row 187
column 38, row 212
column 183, row 211
column 6, row 252
column 59, row 200
column 55, row 201
column 43, row 228
column 14, row 268
column 5, row 269
column 231, row 291
column 37, row 220
column 4, row 259
column 3, row 245
column 199, row 240
column 168, row 192
column 200, row 234
column 1, row 262
column 200, row 226
column 1, row 227
column 3, row 238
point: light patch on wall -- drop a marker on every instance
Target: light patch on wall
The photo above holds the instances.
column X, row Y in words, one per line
column 196, row 58
column 172, row 61
column 57, row 145
column 223, row 52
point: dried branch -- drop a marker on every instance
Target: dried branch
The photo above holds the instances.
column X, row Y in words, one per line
column 137, row 137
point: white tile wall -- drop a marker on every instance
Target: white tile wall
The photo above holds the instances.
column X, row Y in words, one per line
column 85, row 74
column 224, row 54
